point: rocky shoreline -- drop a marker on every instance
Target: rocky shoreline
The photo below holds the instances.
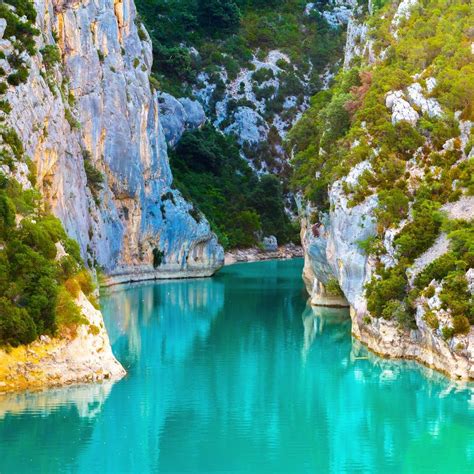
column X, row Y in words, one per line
column 256, row 254
column 77, row 356
column 423, row 345
column 166, row 272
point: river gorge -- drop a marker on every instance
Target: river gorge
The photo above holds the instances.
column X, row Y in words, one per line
column 239, row 374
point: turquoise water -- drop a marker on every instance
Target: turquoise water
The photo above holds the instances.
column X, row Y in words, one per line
column 237, row 374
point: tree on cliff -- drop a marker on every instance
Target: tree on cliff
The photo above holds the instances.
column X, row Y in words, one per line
column 218, row 15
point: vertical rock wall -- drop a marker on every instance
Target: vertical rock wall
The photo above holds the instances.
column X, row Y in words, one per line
column 97, row 106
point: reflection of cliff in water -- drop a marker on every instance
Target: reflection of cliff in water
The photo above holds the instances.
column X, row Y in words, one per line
column 86, row 400
column 317, row 319
column 31, row 420
column 333, row 325
column 238, row 373
column 178, row 311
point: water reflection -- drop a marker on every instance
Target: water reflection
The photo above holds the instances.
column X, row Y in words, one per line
column 238, row 374
column 315, row 320
column 174, row 312
column 87, row 400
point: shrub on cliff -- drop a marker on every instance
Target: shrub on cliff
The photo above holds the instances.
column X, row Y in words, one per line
column 51, row 55
column 32, row 281
column 218, row 15
column 381, row 292
column 16, row 325
column 419, row 234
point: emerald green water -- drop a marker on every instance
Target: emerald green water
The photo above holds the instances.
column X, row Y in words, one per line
column 236, row 374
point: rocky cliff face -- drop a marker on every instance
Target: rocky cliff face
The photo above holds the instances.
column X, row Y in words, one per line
column 332, row 251
column 95, row 109
column 334, row 245
column 78, row 356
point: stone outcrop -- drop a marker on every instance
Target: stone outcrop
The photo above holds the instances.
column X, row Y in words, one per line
column 75, row 356
column 333, row 242
column 335, row 253
column 178, row 115
column 333, row 250
column 261, row 109
column 87, row 110
column 97, row 105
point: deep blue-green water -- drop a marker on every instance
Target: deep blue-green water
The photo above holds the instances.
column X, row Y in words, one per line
column 237, row 374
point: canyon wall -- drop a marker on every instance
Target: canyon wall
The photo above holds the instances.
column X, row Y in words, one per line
column 335, row 241
column 95, row 108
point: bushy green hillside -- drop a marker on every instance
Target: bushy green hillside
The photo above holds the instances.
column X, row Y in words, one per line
column 414, row 167
column 209, row 171
column 201, row 44
column 37, row 287
column 228, row 32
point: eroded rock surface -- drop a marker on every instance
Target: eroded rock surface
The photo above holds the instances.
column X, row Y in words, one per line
column 97, row 106
column 75, row 356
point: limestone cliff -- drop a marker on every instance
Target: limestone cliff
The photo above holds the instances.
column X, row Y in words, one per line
column 358, row 243
column 78, row 356
column 95, row 109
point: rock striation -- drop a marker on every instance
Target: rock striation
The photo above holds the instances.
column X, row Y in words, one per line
column 89, row 119
column 96, row 108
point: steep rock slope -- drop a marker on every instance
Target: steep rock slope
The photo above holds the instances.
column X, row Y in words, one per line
column 93, row 112
column 253, row 65
column 385, row 164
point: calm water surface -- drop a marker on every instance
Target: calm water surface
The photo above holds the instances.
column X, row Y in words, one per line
column 237, row 374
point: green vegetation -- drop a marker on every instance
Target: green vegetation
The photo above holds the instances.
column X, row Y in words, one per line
column 95, row 178
column 36, row 291
column 350, row 123
column 220, row 38
column 209, row 171
column 226, row 33
column 21, row 32
column 158, row 256
column 51, row 55
column 333, row 288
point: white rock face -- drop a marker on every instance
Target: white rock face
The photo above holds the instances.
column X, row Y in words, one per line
column 3, row 25
column 172, row 116
column 430, row 106
column 178, row 115
column 332, row 251
column 358, row 45
column 270, row 243
column 195, row 115
column 470, row 280
column 106, row 70
column 248, row 126
column 20, row 173
column 403, row 11
column 462, row 209
column 401, row 109
column 341, row 12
